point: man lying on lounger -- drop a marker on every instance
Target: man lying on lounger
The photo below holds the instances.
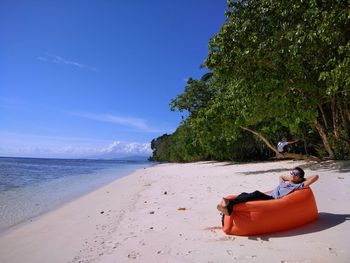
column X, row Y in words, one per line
column 287, row 185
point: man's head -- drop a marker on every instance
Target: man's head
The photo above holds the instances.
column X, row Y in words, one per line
column 297, row 175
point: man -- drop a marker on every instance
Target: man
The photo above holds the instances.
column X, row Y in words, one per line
column 287, row 185
column 282, row 144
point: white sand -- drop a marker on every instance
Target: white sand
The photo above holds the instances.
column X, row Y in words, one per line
column 141, row 221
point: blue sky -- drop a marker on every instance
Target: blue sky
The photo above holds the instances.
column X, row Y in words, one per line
column 82, row 78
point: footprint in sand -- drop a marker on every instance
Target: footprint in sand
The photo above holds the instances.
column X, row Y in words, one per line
column 133, row 255
column 332, row 251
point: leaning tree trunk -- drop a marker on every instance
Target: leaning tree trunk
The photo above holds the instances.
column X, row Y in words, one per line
column 261, row 137
column 281, row 155
column 346, row 122
column 335, row 118
column 324, row 138
column 323, row 115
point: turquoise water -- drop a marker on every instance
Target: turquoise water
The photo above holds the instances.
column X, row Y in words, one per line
column 32, row 186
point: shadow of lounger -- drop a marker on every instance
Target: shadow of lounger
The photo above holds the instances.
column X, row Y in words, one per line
column 324, row 221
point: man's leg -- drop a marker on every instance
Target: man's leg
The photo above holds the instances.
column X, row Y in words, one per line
column 242, row 198
column 245, row 197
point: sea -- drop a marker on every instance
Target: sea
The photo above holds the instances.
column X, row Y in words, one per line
column 30, row 187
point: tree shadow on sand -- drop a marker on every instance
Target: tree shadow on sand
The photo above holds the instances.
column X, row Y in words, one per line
column 331, row 165
column 278, row 170
column 324, row 221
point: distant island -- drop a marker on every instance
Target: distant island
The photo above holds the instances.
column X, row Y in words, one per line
column 113, row 156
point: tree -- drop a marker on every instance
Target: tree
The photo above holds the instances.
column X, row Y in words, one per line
column 277, row 52
column 276, row 68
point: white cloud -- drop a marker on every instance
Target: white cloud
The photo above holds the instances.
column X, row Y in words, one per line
column 28, row 145
column 131, row 122
column 60, row 60
column 42, row 58
column 133, row 148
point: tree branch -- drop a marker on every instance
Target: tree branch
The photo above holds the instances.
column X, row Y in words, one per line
column 263, row 139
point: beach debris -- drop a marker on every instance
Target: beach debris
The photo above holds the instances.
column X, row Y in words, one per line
column 332, row 251
column 152, row 212
column 133, row 255
column 340, row 177
column 182, row 209
column 165, row 192
column 226, row 238
column 213, row 228
column 102, row 212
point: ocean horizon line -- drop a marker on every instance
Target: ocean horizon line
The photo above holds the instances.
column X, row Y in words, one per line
column 126, row 158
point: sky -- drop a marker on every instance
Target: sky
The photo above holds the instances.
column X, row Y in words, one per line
column 83, row 78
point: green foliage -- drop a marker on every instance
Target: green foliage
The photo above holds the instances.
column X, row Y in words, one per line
column 196, row 96
column 277, row 68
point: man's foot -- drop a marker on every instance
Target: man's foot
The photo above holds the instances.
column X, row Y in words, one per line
column 223, row 209
column 226, row 201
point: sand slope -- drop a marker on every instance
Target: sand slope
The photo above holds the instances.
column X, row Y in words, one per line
column 167, row 213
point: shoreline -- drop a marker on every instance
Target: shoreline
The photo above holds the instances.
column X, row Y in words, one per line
column 27, row 221
column 167, row 213
column 57, row 222
column 66, row 196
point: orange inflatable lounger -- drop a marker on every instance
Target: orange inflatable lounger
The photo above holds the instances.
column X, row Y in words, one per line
column 267, row 216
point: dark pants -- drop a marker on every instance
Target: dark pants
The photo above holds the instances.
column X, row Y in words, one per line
column 245, row 197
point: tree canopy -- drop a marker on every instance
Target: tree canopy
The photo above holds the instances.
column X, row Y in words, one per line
column 277, row 68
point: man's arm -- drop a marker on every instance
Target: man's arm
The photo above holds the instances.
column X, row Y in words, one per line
column 310, row 180
column 291, row 142
column 284, row 178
